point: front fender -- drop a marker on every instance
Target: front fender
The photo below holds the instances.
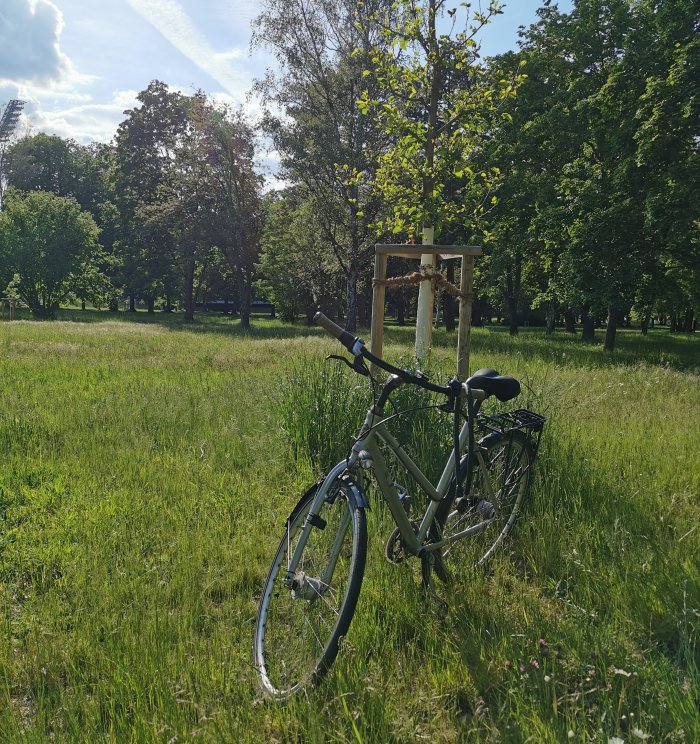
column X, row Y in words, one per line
column 347, row 481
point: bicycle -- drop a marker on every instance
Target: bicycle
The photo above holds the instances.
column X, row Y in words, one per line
column 312, row 587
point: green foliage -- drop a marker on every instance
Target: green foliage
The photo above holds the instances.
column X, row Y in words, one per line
column 595, row 211
column 298, row 269
column 51, row 246
column 435, row 105
column 328, row 150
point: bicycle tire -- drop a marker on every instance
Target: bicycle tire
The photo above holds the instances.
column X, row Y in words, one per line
column 509, row 459
column 296, row 639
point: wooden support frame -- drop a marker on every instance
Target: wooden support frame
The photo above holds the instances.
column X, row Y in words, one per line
column 11, row 303
column 466, row 252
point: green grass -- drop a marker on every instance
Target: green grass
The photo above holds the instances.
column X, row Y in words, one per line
column 144, row 482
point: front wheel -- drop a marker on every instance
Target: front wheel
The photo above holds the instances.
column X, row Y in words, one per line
column 496, row 499
column 301, row 620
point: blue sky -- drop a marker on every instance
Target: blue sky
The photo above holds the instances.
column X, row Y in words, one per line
column 80, row 63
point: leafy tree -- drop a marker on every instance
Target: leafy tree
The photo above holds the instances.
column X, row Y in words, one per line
column 146, row 144
column 51, row 247
column 238, row 222
column 436, row 107
column 299, row 271
column 326, row 146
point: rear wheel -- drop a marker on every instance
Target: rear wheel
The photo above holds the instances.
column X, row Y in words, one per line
column 299, row 625
column 491, row 512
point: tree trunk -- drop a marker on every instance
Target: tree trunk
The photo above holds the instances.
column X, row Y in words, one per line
column 611, row 329
column 512, row 303
column 351, row 299
column 645, row 320
column 82, row 304
column 449, row 306
column 189, row 290
column 132, row 303
column 588, row 333
column 400, row 307
column 151, row 304
column 569, row 324
column 688, row 324
column 168, row 304
column 245, row 295
column 551, row 319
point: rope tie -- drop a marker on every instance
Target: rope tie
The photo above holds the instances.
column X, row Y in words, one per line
column 426, row 273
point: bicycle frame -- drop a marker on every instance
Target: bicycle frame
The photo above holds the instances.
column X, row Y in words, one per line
column 366, row 453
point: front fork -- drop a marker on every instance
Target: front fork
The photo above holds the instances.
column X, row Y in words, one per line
column 312, row 587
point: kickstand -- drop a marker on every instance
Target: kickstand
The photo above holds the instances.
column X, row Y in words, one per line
column 427, row 570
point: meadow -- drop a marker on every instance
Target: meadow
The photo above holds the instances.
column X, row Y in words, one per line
column 144, row 482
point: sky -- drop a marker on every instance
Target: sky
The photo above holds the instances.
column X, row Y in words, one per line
column 79, row 64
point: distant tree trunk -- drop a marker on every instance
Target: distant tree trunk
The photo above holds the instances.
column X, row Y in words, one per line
column 82, row 304
column 449, row 309
column 400, row 306
column 569, row 323
column 673, row 324
column 513, row 295
column 551, row 319
column 168, row 304
column 245, row 296
column 132, row 303
column 477, row 312
column 588, row 333
column 189, row 289
column 645, row 320
column 351, row 299
column 688, row 321
column 151, row 304
column 611, row 329
column 512, row 303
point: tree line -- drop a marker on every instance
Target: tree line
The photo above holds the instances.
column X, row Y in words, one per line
column 573, row 161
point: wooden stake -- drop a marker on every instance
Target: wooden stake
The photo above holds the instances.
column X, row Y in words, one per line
column 378, row 297
column 465, row 317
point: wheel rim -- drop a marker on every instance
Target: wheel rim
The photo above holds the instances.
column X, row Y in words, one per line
column 294, row 634
column 509, row 463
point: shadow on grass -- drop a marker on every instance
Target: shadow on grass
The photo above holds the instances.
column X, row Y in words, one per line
column 678, row 351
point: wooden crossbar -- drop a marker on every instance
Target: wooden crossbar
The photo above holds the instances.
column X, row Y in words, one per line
column 466, row 252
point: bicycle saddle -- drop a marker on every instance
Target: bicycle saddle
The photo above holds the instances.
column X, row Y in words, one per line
column 488, row 380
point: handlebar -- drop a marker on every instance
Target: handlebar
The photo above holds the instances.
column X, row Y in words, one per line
column 356, row 346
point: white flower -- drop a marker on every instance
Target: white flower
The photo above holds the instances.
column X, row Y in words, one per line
column 616, row 740
column 639, row 734
column 621, row 672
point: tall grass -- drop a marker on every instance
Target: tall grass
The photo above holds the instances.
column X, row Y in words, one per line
column 146, row 469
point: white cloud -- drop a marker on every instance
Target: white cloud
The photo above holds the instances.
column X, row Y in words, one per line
column 87, row 122
column 30, row 33
column 172, row 22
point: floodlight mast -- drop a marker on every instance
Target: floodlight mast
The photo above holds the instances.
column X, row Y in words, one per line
column 10, row 118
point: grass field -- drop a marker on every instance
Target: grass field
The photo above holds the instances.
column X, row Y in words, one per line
column 144, row 483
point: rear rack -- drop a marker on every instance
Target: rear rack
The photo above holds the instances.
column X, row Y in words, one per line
column 512, row 421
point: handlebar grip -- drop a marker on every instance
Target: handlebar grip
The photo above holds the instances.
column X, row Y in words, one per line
column 345, row 338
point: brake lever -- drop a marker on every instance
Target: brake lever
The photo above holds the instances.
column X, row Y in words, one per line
column 358, row 365
column 340, row 359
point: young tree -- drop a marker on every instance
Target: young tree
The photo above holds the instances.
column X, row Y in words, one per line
column 436, row 107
